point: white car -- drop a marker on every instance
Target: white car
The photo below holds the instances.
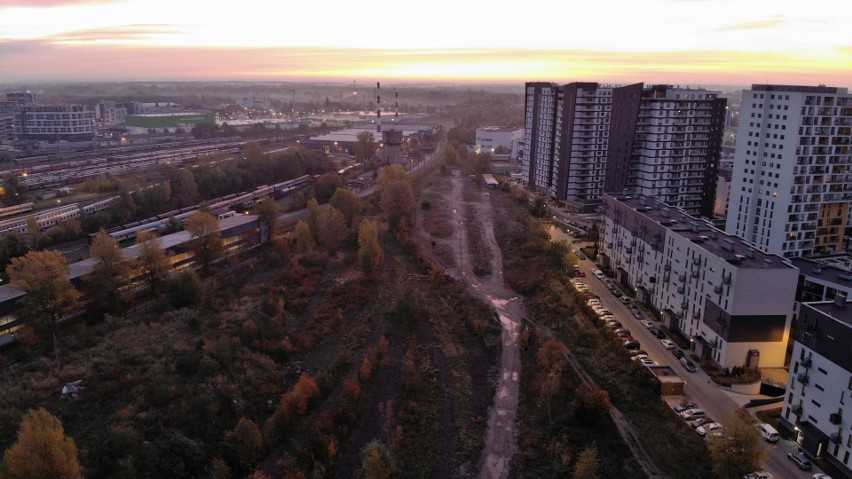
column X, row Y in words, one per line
column 759, row 475
column 640, row 357
column 714, row 429
column 593, row 302
column 820, row 475
column 607, row 317
column 667, row 343
column 691, row 414
column 624, row 299
column 648, row 362
column 598, row 274
column 647, row 324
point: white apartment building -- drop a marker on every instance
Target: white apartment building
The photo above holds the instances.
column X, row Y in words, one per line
column 733, row 302
column 677, row 148
column 491, row 138
column 792, row 179
column 109, row 114
column 819, row 387
column 541, row 133
column 54, row 122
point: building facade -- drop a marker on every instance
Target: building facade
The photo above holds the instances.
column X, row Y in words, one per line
column 109, row 114
column 678, row 146
column 499, row 139
column 792, row 181
column 819, row 387
column 54, row 122
column 584, row 139
column 734, row 303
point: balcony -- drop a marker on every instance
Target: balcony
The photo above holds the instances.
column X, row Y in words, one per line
column 807, row 363
column 835, row 438
column 835, row 418
column 803, row 378
column 718, row 290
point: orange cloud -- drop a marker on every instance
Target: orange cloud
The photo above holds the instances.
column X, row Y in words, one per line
column 40, row 60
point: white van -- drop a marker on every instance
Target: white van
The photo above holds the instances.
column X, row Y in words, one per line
column 768, row 432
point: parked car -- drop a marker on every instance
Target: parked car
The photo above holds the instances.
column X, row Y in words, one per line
column 640, row 357
column 699, row 422
column 598, row 274
column 637, row 352
column 636, row 313
column 820, row 475
column 800, row 460
column 631, row 345
column 667, row 343
column 689, row 365
column 607, row 317
column 713, row 429
column 581, row 274
column 768, row 432
column 648, row 362
column 691, row 414
column 622, row 330
column 613, row 325
column 656, row 332
column 617, row 293
column 679, row 408
column 678, row 353
column 625, row 299
column 580, row 255
column 647, row 324
column 759, row 475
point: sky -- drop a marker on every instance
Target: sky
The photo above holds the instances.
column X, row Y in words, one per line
column 688, row 42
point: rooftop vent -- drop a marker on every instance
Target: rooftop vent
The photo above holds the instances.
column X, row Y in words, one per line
column 740, row 257
column 767, row 263
column 751, row 253
column 694, row 227
column 817, row 269
column 705, row 238
column 714, row 234
column 683, row 218
column 643, row 201
column 840, row 299
column 664, row 212
column 728, row 245
column 846, row 276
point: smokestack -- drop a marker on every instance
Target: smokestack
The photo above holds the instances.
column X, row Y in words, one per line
column 378, row 108
column 396, row 107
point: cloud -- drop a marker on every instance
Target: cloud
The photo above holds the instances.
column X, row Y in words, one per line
column 139, row 31
column 49, row 3
column 752, row 25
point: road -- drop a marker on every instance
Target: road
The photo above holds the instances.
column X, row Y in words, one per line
column 700, row 388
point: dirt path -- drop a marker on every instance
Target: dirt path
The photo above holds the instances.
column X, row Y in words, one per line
column 501, row 439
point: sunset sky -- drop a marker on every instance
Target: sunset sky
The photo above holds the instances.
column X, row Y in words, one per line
column 721, row 42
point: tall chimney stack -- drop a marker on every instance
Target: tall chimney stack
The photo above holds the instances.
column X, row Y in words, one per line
column 378, row 108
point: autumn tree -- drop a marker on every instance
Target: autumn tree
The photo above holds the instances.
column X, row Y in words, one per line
column 376, row 460
column 397, row 200
column 293, row 403
column 152, row 260
column 348, row 202
column 12, row 245
column 109, row 273
column 590, row 403
column 326, row 185
column 267, row 212
column 364, row 146
column 588, row 464
column 313, row 216
column 370, row 254
column 551, row 361
column 35, row 233
column 207, row 239
column 304, row 238
column 242, row 446
column 49, row 295
column 12, row 192
column 331, row 229
column 738, row 451
column 42, row 450
column 253, row 151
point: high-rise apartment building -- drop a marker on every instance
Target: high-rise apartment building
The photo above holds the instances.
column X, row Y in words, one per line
column 792, row 182
column 584, row 139
column 678, row 146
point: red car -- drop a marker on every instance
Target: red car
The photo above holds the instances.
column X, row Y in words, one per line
column 581, row 274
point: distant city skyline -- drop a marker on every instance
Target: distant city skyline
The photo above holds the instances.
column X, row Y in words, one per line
column 721, row 42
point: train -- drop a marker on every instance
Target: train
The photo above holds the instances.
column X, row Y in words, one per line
column 15, row 210
column 235, row 200
column 51, row 217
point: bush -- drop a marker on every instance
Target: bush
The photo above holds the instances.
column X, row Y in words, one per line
column 184, row 291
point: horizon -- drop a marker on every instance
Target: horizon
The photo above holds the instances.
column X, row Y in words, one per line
column 687, row 42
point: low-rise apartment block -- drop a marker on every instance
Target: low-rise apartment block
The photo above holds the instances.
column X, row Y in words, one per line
column 733, row 302
column 819, row 387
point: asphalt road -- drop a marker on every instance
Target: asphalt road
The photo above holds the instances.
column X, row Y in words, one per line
column 700, row 388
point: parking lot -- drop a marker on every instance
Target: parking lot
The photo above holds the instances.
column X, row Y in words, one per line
column 700, row 389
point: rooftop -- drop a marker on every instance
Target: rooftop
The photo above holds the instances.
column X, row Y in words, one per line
column 823, row 270
column 842, row 313
column 503, row 129
column 799, row 88
column 733, row 249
